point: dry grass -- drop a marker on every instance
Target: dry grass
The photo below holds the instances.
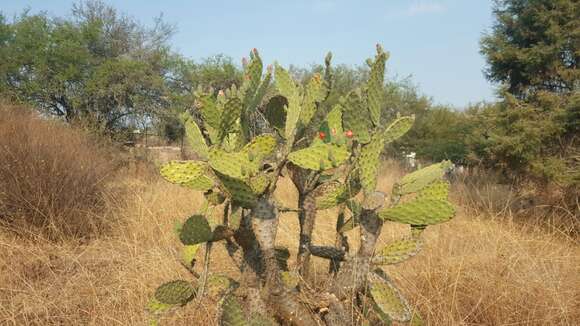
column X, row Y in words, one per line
column 472, row 271
column 53, row 179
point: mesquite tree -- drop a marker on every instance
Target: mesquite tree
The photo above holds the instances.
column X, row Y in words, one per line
column 247, row 139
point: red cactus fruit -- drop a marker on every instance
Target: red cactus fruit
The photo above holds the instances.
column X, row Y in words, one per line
column 348, row 133
column 321, row 135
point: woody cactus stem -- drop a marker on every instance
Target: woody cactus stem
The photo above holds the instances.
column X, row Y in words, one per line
column 307, row 218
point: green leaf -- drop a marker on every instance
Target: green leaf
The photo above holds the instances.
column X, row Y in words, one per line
column 194, row 136
column 397, row 251
column 176, row 292
column 398, row 128
column 290, row 91
column 419, row 179
column 420, row 211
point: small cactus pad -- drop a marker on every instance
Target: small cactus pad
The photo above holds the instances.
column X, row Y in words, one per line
column 398, row 128
column 327, row 252
column 290, row 91
column 214, row 197
column 235, row 165
column 334, row 119
column 369, row 161
column 397, row 251
column 188, row 254
column 240, row 192
column 176, row 292
column 260, row 147
column 356, row 118
column 232, row 111
column 157, row 308
column 417, row 180
column 439, row 189
column 195, row 230
column 314, row 93
column 219, row 285
column 388, row 302
column 259, row 183
column 375, row 87
column 421, row 211
column 232, row 313
column 331, row 194
column 275, row 112
column 319, row 156
column 209, row 110
column 259, row 320
column 194, row 136
column 190, row 174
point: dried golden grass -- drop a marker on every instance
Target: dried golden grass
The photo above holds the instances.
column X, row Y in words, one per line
column 472, row 271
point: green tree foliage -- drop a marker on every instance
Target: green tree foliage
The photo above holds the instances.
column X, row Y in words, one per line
column 532, row 52
column 98, row 66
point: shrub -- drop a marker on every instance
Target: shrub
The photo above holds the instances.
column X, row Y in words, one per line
column 53, row 178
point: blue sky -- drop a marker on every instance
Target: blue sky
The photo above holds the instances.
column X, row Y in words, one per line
column 436, row 42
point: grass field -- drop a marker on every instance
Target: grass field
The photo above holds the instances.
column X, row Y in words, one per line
column 474, row 270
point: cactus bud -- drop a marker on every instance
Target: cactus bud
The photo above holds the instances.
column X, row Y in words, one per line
column 269, row 68
column 244, row 61
column 255, row 51
column 333, row 131
column 221, row 92
column 348, row 133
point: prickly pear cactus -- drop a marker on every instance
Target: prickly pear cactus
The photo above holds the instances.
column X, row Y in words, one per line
column 246, row 138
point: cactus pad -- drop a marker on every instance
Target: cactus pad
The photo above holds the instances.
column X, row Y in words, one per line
column 188, row 254
column 421, row 211
column 232, row 313
column 195, row 230
column 439, row 189
column 187, row 173
column 290, row 91
column 232, row 111
column 156, row 307
column 375, row 87
column 314, row 93
column 417, row 180
column 319, row 156
column 398, row 128
column 259, row 183
column 210, row 111
column 397, row 251
column 356, row 117
column 219, row 285
column 275, row 112
column 214, row 197
column 260, row 147
column 235, row 165
column 290, row 279
column 176, row 292
column 194, row 136
column 388, row 302
column 331, row 194
column 369, row 161
column 240, row 192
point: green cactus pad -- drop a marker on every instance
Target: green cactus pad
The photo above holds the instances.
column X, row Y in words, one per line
column 334, row 120
column 421, row 211
column 439, row 189
column 259, row 183
column 388, row 302
column 331, row 194
column 259, row 320
column 219, row 285
column 320, row 156
column 369, row 162
column 356, row 118
column 232, row 111
column 176, row 292
column 397, row 251
column 275, row 112
column 290, row 91
column 232, row 313
column 155, row 307
column 375, row 86
column 210, row 111
column 235, row 165
column 253, row 72
column 214, row 197
column 195, row 230
column 417, row 180
column 260, row 147
column 314, row 93
column 188, row 254
column 190, row 174
column 240, row 192
column 327, row 252
column 398, row 128
column 194, row 136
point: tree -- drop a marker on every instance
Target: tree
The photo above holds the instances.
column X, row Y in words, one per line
column 533, row 52
column 99, row 67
